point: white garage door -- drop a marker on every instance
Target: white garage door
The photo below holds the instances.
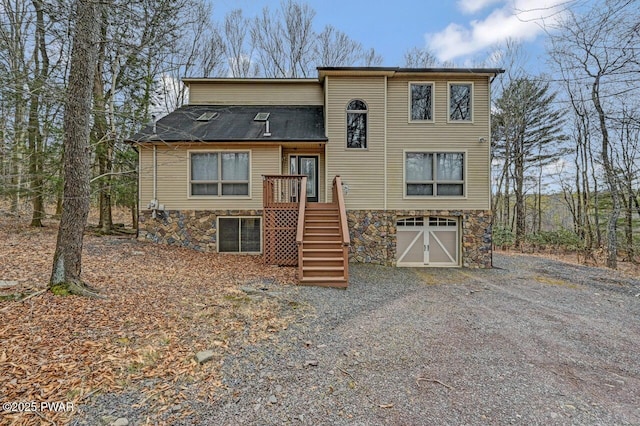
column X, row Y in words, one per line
column 428, row 241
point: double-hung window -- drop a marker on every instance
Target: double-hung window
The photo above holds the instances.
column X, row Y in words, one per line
column 219, row 174
column 421, row 101
column 432, row 174
column 460, row 102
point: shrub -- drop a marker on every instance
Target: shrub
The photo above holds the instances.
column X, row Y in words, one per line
column 503, row 237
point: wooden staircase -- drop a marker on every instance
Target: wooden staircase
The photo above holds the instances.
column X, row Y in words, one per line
column 323, row 241
column 323, row 261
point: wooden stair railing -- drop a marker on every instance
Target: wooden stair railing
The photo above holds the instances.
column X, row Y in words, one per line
column 323, row 242
column 338, row 197
column 300, row 231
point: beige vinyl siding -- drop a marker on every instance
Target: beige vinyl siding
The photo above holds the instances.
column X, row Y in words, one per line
column 145, row 175
column 439, row 136
column 361, row 170
column 173, row 178
column 255, row 93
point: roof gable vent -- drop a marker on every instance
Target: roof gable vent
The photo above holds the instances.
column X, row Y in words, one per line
column 261, row 116
column 207, row 116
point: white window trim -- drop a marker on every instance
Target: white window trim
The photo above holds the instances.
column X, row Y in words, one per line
column 346, row 125
column 433, row 95
column 219, row 196
column 245, row 253
column 465, row 182
column 473, row 97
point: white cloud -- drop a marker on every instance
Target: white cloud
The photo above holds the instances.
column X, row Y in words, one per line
column 515, row 19
column 473, row 6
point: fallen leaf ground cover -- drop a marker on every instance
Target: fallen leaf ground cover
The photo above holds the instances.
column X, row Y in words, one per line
column 163, row 305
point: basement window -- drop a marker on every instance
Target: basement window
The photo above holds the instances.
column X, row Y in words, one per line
column 239, row 235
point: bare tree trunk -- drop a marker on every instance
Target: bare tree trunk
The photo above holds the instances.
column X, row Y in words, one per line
column 41, row 69
column 629, row 224
column 67, row 260
column 103, row 140
column 612, row 238
column 519, row 193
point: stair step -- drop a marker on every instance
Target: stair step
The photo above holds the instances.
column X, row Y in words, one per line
column 320, row 206
column 322, row 238
column 330, row 263
column 324, row 282
column 322, row 259
column 323, row 268
column 321, row 252
column 317, row 230
column 334, row 236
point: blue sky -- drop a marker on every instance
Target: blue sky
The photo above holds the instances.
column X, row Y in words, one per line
column 462, row 31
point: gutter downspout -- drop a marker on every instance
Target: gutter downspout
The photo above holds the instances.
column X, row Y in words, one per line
column 155, row 178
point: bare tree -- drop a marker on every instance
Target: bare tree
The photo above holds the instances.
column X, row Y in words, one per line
column 599, row 49
column 239, row 48
column 40, row 71
column 335, row 48
column 267, row 36
column 67, row 260
column 420, row 58
column 14, row 30
column 371, row 58
column 287, row 46
column 285, row 39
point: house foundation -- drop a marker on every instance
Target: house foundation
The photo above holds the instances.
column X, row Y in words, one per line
column 195, row 229
column 374, row 235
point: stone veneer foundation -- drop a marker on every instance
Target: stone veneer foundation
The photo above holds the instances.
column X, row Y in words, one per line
column 186, row 228
column 373, row 235
column 372, row 232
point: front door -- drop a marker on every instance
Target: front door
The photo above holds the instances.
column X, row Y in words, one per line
column 306, row 165
column 427, row 241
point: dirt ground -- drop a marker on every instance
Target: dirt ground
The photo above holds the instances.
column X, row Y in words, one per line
column 533, row 341
column 162, row 306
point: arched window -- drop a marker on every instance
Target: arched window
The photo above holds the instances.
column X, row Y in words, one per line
column 357, row 124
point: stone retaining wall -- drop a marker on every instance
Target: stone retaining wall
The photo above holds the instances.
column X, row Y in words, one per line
column 373, row 235
column 186, row 228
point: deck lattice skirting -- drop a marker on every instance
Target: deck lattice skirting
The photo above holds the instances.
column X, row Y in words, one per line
column 281, row 195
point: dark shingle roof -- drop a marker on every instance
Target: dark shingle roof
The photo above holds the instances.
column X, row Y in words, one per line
column 236, row 123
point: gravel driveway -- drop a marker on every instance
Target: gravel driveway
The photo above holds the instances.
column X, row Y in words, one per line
column 532, row 341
